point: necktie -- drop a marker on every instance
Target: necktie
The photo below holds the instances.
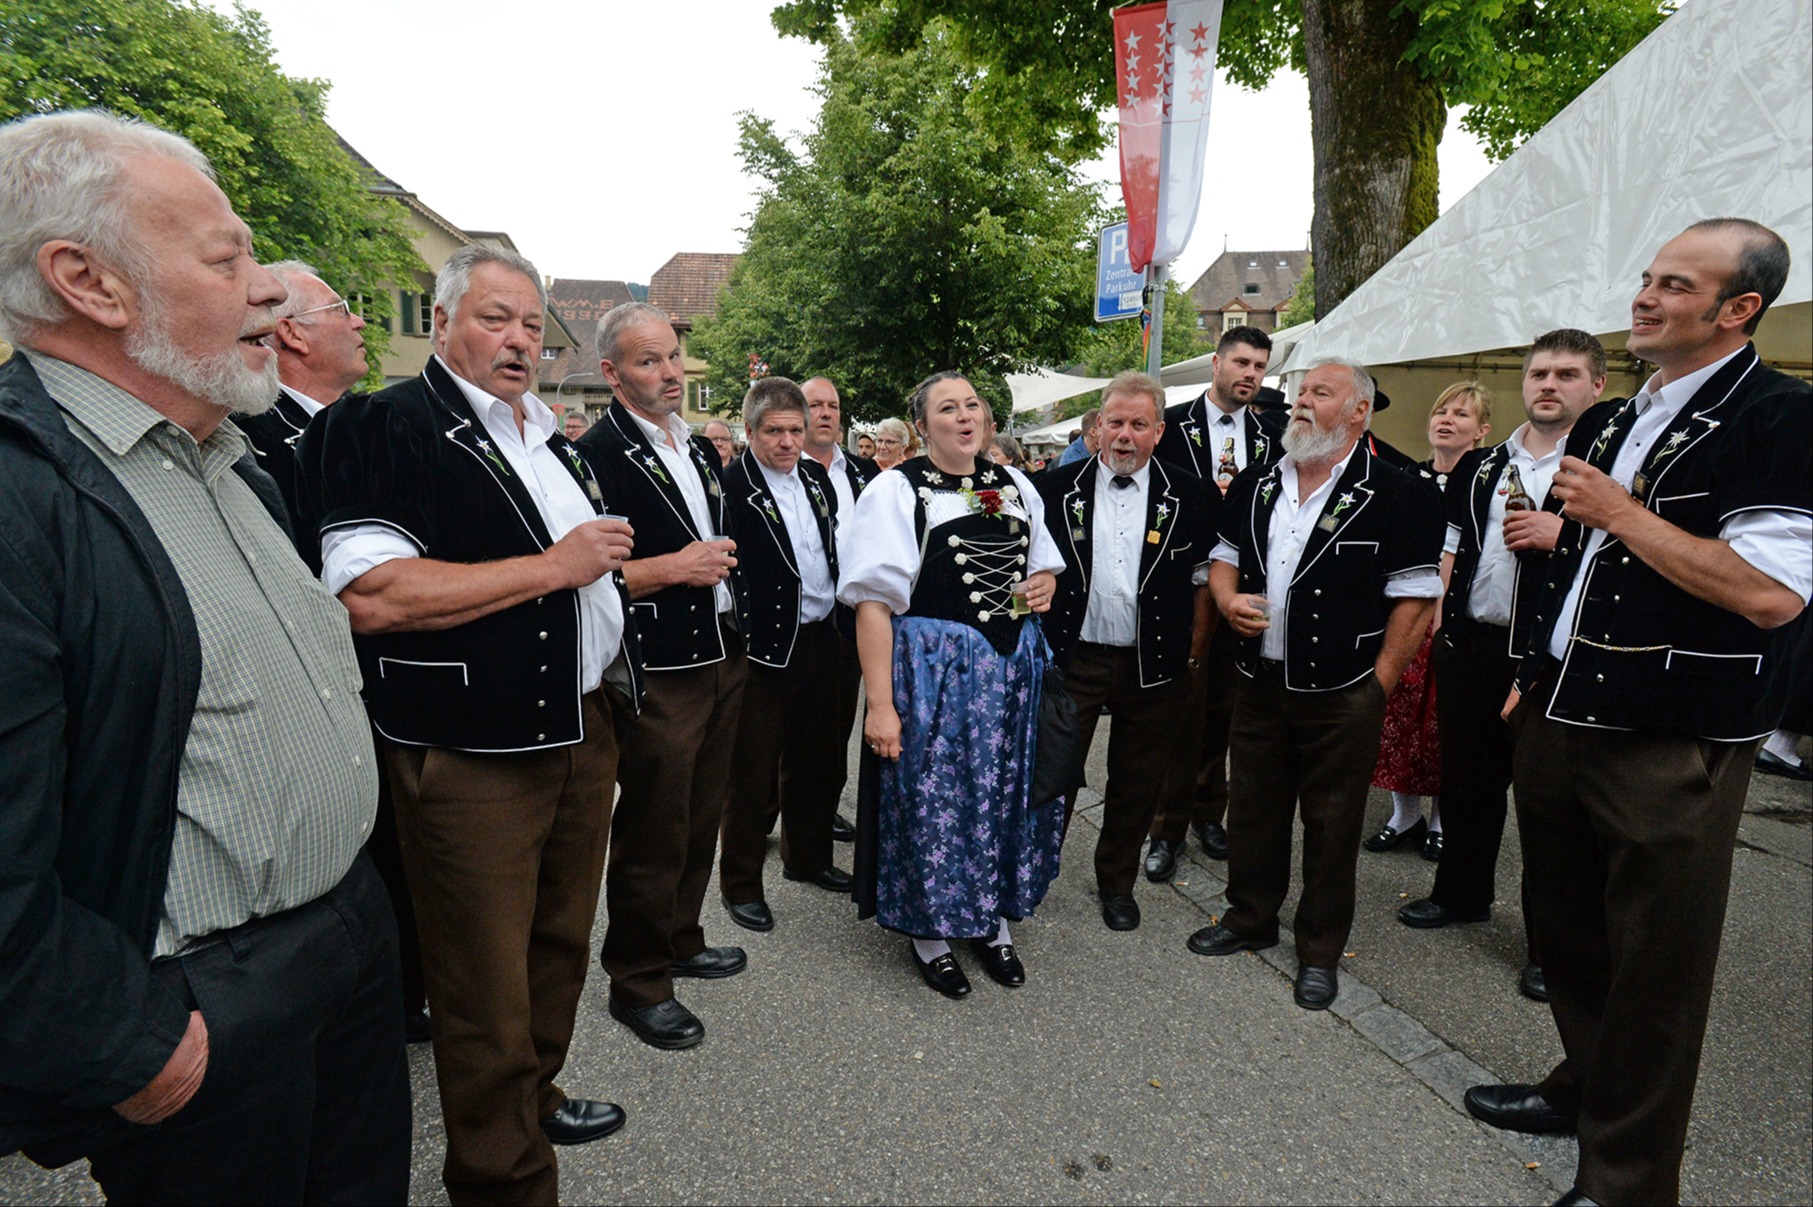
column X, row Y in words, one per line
column 1122, row 481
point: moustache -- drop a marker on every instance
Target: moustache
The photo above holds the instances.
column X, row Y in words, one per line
column 509, row 359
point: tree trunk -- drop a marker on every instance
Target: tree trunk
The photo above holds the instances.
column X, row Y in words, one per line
column 1375, row 124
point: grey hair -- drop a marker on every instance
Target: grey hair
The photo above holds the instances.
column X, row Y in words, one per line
column 898, row 429
column 1363, row 385
column 455, row 277
column 291, row 272
column 1132, row 383
column 769, row 394
column 60, row 178
column 620, row 319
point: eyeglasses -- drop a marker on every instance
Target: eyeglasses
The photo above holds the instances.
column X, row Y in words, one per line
column 879, row 440
column 344, row 306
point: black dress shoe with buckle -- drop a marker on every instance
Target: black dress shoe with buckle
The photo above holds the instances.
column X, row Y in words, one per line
column 1389, row 839
column 1516, row 1108
column 943, row 975
column 712, row 963
column 581, row 1121
column 665, row 1024
column 1316, row 988
column 1218, row 940
column 418, row 1028
column 1214, row 838
column 1161, row 861
column 1532, row 984
column 843, row 829
column 834, row 879
column 1432, row 846
column 1425, row 914
column 1771, row 763
column 1000, row 962
column 1120, row 912
column 750, row 915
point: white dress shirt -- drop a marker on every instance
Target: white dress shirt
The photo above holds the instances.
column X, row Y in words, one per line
column 839, row 469
column 1293, row 519
column 1117, row 533
column 672, row 441
column 1779, row 543
column 309, row 405
column 347, row 553
column 1223, row 427
column 816, row 590
column 1495, row 580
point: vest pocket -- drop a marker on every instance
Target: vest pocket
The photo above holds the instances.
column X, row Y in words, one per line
column 424, row 676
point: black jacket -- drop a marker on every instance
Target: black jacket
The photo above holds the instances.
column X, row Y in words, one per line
column 274, row 436
column 1644, row 654
column 766, row 558
column 1377, row 521
column 1183, row 511
column 415, row 459
column 678, row 625
column 1468, row 503
column 98, row 684
column 1187, row 437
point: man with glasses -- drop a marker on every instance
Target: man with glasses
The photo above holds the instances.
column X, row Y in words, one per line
column 320, row 356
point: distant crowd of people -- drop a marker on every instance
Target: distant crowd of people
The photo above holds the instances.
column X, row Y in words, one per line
column 329, row 716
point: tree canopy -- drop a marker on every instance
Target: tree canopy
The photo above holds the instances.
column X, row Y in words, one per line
column 1382, row 76
column 211, row 79
column 906, row 234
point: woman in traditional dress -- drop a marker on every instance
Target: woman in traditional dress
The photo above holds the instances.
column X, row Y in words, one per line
column 1410, row 758
column 948, row 843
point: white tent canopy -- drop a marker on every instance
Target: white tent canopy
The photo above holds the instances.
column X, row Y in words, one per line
column 1707, row 117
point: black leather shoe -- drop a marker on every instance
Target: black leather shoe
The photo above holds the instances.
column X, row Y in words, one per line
column 751, row 915
column 417, row 1028
column 1120, row 912
column 1316, row 988
column 1000, row 963
column 712, row 963
column 1218, row 940
column 1389, row 839
column 1516, row 1108
column 1161, row 861
column 1532, row 984
column 1432, row 846
column 666, row 1024
column 581, row 1121
column 943, row 975
column 1214, row 838
column 1427, row 915
column 1573, row 1198
column 843, row 829
column 1770, row 763
column 835, row 879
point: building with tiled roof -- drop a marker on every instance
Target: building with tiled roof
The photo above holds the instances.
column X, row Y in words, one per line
column 687, row 287
column 1246, row 289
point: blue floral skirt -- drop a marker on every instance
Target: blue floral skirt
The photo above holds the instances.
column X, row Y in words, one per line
column 957, row 843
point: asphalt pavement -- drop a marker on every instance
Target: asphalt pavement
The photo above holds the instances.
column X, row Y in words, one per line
column 1130, row 1070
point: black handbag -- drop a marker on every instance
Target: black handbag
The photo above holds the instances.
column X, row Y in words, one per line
column 1060, row 752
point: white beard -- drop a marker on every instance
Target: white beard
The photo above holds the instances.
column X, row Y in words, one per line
column 223, row 379
column 1313, row 445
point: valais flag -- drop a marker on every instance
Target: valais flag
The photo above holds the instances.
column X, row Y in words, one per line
column 1164, row 69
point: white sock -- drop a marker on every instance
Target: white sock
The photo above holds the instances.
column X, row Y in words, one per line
column 930, row 949
column 1781, row 745
column 1002, row 938
column 1406, row 810
column 1435, row 815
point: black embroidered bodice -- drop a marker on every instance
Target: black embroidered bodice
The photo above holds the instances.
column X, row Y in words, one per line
column 968, row 565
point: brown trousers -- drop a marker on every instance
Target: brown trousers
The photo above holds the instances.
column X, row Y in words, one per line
column 1312, row 751
column 1196, row 783
column 1627, row 841
column 504, row 853
column 789, row 762
column 676, row 769
column 1140, row 750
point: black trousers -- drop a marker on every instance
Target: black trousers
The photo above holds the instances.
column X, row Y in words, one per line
column 306, row 1094
column 1473, row 675
column 789, row 761
column 1627, row 841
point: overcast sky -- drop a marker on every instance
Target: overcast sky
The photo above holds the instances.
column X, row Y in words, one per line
column 602, row 135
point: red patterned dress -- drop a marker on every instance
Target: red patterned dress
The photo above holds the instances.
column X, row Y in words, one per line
column 1409, row 750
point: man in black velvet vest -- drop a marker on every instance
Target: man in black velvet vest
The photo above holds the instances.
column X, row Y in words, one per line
column 1643, row 692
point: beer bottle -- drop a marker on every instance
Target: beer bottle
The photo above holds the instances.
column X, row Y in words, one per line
column 1516, row 498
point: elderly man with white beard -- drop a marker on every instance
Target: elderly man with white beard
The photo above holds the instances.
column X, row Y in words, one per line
column 200, row 980
column 1327, row 571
